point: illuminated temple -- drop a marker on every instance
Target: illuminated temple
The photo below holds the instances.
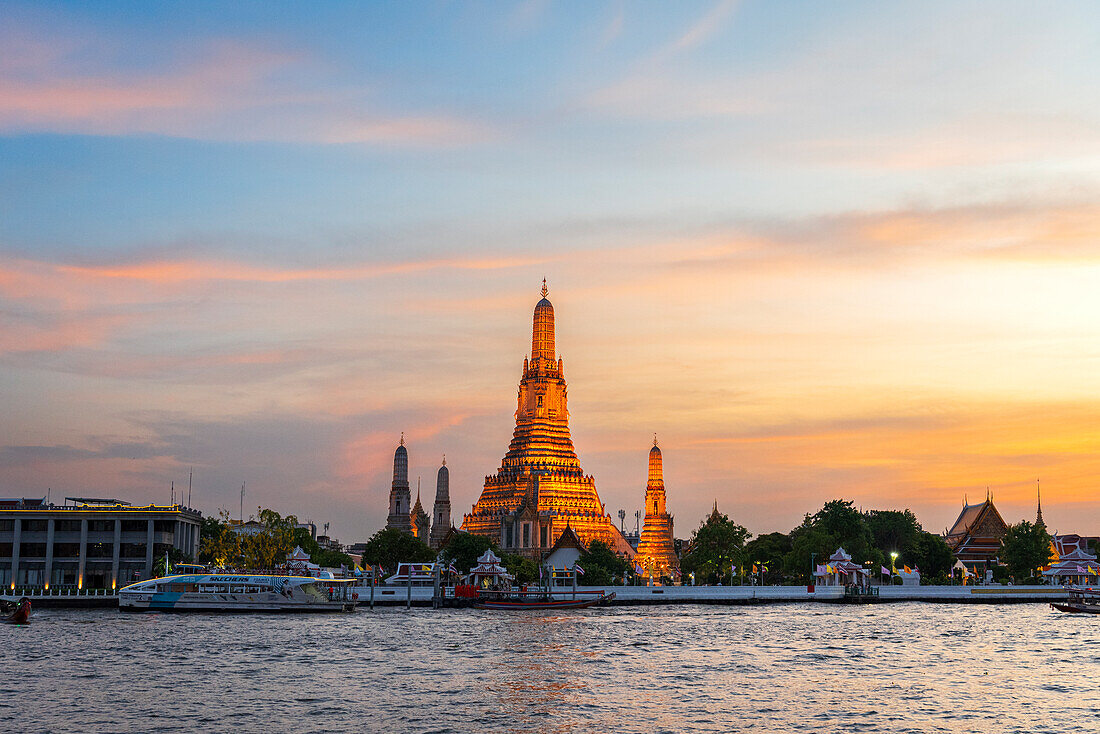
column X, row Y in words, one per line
column 656, row 551
column 540, row 487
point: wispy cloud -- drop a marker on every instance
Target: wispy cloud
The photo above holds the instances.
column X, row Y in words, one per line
column 702, row 30
column 217, row 89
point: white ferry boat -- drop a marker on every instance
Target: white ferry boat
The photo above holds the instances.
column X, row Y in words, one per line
column 227, row 592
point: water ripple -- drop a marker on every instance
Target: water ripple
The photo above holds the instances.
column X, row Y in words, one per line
column 783, row 668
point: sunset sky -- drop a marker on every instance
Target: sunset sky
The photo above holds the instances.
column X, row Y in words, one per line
column 822, row 250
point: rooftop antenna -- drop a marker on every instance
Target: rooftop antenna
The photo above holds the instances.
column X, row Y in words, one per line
column 190, row 472
column 173, row 490
column 242, row 503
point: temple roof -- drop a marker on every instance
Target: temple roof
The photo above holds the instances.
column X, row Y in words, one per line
column 568, row 539
column 972, row 515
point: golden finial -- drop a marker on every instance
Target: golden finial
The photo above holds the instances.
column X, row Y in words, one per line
column 402, row 438
column 444, row 460
column 545, row 290
column 654, row 439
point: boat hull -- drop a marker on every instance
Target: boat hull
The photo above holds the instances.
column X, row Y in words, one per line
column 20, row 612
column 1076, row 608
column 522, row 604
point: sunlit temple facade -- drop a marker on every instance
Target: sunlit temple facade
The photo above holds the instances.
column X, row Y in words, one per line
column 540, row 486
column 656, row 549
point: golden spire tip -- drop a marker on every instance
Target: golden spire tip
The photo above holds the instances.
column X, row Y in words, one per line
column 545, row 290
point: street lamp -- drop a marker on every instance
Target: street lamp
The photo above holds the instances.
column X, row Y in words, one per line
column 893, row 565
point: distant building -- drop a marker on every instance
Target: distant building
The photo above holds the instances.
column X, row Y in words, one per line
column 249, row 527
column 91, row 543
column 976, row 537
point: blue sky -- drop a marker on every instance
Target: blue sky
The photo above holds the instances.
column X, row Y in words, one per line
column 814, row 245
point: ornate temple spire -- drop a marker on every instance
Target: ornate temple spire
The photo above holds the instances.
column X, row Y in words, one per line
column 443, row 483
column 401, row 465
column 399, row 490
column 656, row 468
column 1038, row 506
column 542, row 334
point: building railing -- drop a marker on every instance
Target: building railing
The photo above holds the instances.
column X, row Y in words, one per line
column 39, row 592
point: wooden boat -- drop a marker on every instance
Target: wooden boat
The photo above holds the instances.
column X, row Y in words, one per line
column 1080, row 601
column 15, row 611
column 541, row 599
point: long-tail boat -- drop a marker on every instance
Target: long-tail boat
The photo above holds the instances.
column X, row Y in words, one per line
column 15, row 611
column 1080, row 601
column 541, row 599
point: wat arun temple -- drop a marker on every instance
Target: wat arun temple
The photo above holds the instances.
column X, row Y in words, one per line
column 540, row 488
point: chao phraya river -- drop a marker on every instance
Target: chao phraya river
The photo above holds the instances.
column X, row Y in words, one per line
column 782, row 668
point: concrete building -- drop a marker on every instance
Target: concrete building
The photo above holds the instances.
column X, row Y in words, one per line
column 90, row 543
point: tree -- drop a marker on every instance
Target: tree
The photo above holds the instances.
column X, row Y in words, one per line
column 321, row 556
column 391, row 546
column 464, row 549
column 718, row 544
column 175, row 555
column 601, row 566
column 838, row 524
column 931, row 555
column 522, row 568
column 1025, row 549
column 894, row 531
column 218, row 544
column 768, row 548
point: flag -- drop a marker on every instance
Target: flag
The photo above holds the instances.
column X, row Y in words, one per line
column 358, row 571
column 907, row 569
column 764, row 569
column 540, row 573
column 637, row 569
column 578, row 569
column 754, row 568
column 885, row 570
column 452, row 568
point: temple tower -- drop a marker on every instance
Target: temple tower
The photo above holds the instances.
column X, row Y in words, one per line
column 540, row 486
column 1038, row 506
column 399, row 490
column 656, row 549
column 418, row 519
column 441, row 513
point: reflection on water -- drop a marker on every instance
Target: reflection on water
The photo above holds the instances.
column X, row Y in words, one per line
column 798, row 667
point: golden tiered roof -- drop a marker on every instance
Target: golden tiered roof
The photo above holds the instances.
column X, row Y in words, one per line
column 656, row 549
column 540, row 481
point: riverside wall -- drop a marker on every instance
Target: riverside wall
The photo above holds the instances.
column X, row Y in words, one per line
column 749, row 595
column 396, row 596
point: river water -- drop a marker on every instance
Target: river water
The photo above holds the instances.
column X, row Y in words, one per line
column 782, row 668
